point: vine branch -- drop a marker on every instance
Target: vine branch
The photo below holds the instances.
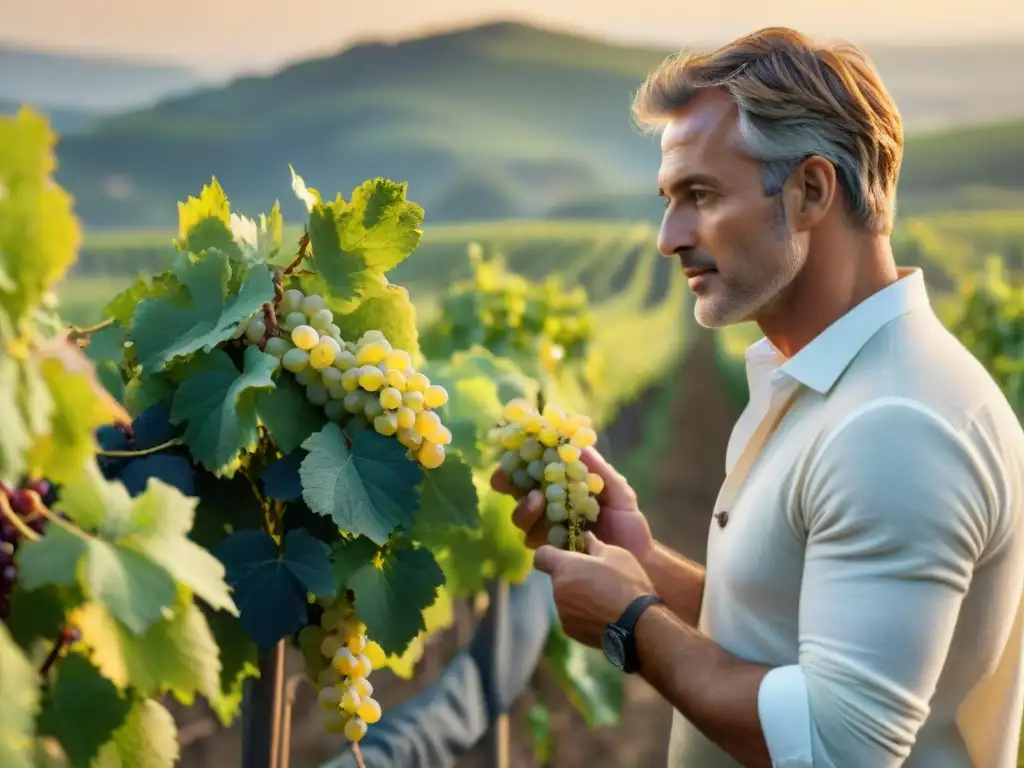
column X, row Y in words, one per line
column 358, row 755
column 303, row 245
column 144, row 452
column 75, row 333
column 16, row 521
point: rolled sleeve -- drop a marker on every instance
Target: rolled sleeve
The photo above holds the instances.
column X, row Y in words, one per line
column 896, row 514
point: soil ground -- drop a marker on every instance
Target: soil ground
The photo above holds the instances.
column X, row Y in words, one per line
column 682, row 494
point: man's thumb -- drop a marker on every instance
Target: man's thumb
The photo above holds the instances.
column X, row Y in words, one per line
column 617, row 491
column 547, row 558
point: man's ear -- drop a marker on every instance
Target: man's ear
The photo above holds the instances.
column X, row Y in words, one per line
column 810, row 192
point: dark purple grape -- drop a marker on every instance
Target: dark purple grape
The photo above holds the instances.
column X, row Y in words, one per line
column 21, row 503
column 8, row 532
column 38, row 524
column 9, row 572
column 42, row 487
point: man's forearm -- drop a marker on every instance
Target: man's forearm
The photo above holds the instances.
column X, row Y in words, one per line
column 677, row 580
column 710, row 687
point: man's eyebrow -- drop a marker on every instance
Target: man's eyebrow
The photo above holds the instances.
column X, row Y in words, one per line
column 686, row 181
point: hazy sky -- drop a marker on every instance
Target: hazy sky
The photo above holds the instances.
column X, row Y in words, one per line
column 220, row 36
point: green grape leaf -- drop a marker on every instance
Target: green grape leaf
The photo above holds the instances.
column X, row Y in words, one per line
column 368, row 490
column 354, row 243
column 385, row 308
column 226, row 504
column 593, row 686
column 140, row 551
column 219, row 404
column 39, row 234
column 448, row 499
column 271, row 586
column 204, row 222
column 494, row 550
column 147, row 739
column 39, row 614
column 121, row 308
column 391, row 598
column 350, row 555
column 80, row 406
column 438, row 617
column 239, row 660
column 19, row 692
column 106, row 350
column 177, row 654
column 220, row 294
column 83, row 710
column 288, row 414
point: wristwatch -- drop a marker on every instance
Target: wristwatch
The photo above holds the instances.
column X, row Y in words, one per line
column 618, row 640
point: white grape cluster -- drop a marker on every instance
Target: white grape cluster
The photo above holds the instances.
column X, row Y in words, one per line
column 345, row 694
column 367, row 378
column 542, row 450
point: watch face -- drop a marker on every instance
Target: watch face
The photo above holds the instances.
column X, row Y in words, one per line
column 611, row 643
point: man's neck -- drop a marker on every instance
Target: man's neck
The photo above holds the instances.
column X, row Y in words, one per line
column 830, row 285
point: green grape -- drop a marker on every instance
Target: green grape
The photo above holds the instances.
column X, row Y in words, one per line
column 372, row 408
column 290, row 302
column 334, row 409
column 317, row 394
column 390, row 398
column 330, row 376
column 337, row 391
column 322, row 319
column 556, row 512
column 344, row 360
column 522, row 478
column 551, row 456
column 307, row 376
column 277, row 346
column 589, row 508
column 331, row 342
column 555, row 471
column 311, row 305
column 536, row 470
column 386, row 423
column 294, row 320
column 295, row 359
column 558, row 536
column 509, row 462
column 355, row 401
column 577, row 470
column 555, row 493
column 305, row 337
column 321, row 356
column 532, row 450
column 370, row 378
column 255, row 330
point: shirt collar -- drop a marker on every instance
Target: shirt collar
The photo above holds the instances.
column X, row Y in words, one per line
column 820, row 364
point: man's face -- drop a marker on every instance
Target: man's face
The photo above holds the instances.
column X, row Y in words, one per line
column 731, row 238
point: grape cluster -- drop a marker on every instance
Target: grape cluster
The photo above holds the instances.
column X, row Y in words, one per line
column 509, row 315
column 345, row 693
column 24, row 503
column 146, row 448
column 365, row 380
column 542, row 449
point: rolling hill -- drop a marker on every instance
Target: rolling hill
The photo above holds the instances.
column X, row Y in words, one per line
column 497, row 121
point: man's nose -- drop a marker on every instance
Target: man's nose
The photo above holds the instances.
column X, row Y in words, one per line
column 677, row 234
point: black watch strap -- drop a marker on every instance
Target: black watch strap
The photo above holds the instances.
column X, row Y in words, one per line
column 627, row 623
column 631, row 615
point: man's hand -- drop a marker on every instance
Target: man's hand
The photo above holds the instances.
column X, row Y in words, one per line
column 619, row 523
column 592, row 590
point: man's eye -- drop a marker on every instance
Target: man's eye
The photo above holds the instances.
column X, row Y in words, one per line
column 701, row 195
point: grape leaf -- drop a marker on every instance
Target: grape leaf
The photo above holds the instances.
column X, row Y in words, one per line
column 204, row 222
column 353, row 243
column 385, row 308
column 593, row 686
column 226, row 504
column 39, row 234
column 173, row 470
column 494, row 550
column 239, row 660
column 219, row 404
column 83, row 710
column 271, row 586
column 390, row 598
column 121, row 308
column 288, row 414
column 39, row 614
column 281, row 478
column 350, row 555
column 16, row 436
column 176, row 654
column 80, row 406
column 438, row 617
column 368, row 490
column 19, row 692
column 168, row 327
column 106, row 350
column 448, row 500
column 147, row 739
column 140, row 551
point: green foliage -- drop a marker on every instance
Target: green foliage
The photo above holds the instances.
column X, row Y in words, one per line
column 135, row 588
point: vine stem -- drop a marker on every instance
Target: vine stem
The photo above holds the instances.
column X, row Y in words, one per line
column 303, row 245
column 144, row 452
column 80, row 333
column 23, row 529
column 358, row 755
column 54, row 654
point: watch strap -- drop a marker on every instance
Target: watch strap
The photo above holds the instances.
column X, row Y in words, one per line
column 633, row 611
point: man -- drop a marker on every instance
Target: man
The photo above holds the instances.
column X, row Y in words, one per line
column 861, row 603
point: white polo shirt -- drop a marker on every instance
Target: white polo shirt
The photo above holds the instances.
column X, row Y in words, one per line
column 874, row 552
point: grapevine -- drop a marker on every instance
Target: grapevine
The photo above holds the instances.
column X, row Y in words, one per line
column 542, row 449
column 247, row 451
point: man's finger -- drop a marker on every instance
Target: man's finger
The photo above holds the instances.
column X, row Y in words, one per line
column 502, row 483
column 548, row 558
column 617, row 491
column 593, row 544
column 529, row 510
